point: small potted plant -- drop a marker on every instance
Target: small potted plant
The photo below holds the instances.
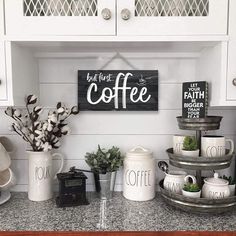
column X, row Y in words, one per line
column 232, row 184
column 190, row 147
column 191, row 190
column 104, row 164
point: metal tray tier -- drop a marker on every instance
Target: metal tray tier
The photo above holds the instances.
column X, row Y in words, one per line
column 203, row 124
column 198, row 205
column 199, row 163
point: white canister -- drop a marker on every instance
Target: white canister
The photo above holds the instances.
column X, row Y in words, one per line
column 215, row 188
column 139, row 175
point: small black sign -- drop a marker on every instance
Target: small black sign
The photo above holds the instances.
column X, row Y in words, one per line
column 132, row 90
column 195, row 99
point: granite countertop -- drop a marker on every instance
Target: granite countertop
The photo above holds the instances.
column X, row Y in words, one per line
column 117, row 214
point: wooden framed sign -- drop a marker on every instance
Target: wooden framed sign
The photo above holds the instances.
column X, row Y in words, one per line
column 131, row 90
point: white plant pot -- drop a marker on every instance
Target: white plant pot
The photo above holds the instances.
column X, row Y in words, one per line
column 191, row 194
column 232, row 190
column 190, row 153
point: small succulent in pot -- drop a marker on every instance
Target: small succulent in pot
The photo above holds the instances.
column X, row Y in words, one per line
column 189, row 187
column 190, row 147
column 42, row 135
column 103, row 161
column 191, row 190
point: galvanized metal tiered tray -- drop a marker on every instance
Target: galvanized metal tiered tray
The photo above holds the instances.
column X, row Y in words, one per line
column 199, row 163
column 201, row 124
column 198, row 205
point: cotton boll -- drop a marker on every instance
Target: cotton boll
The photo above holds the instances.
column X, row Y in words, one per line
column 65, row 130
column 46, row 147
column 49, row 128
column 9, row 111
column 31, row 99
column 45, row 126
column 52, row 118
column 60, row 110
column 38, row 109
column 38, row 132
column 17, row 113
column 38, row 143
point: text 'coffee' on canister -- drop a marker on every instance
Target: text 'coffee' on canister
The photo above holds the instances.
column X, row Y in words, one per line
column 139, row 175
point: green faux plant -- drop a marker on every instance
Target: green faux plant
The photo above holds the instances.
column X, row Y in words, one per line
column 190, row 144
column 191, row 187
column 230, row 179
column 103, row 161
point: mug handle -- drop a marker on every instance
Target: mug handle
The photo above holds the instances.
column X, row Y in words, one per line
column 231, row 145
column 186, row 178
column 62, row 163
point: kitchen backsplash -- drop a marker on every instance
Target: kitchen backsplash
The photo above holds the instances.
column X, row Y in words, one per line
column 153, row 130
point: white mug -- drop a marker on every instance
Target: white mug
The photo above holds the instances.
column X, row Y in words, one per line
column 7, row 179
column 178, row 141
column 214, row 146
column 5, row 160
column 7, row 143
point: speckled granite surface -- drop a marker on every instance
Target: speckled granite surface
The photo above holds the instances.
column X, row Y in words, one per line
column 118, row 214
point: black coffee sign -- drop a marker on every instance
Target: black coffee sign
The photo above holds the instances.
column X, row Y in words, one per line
column 132, row 90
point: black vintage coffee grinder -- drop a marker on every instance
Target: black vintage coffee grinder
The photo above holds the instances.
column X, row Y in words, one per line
column 72, row 188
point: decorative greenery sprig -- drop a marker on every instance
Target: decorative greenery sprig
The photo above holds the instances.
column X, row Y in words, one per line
column 230, row 179
column 190, row 143
column 42, row 135
column 191, row 187
column 104, row 161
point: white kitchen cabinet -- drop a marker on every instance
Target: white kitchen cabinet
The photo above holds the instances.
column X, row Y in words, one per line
column 1, row 18
column 60, row 17
column 3, row 78
column 172, row 17
column 18, row 74
column 111, row 17
column 231, row 75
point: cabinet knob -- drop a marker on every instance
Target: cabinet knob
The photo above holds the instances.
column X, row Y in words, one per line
column 106, row 14
column 125, row 14
column 234, row 82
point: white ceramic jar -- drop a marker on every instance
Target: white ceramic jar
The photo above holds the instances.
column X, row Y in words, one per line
column 215, row 188
column 139, row 175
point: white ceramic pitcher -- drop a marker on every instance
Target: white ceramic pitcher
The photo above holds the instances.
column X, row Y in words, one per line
column 41, row 176
column 175, row 180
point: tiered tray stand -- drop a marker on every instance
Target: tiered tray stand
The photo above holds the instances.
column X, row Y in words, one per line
column 200, row 205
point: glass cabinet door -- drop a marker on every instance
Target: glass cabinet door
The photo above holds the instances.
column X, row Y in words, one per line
column 172, row 17
column 60, row 17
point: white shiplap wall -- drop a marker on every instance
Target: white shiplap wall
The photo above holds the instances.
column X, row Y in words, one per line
column 154, row 130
